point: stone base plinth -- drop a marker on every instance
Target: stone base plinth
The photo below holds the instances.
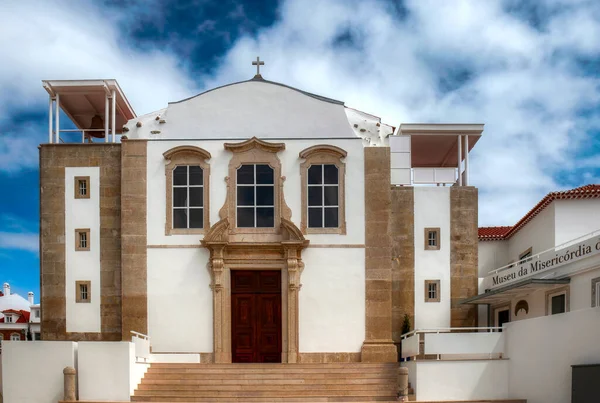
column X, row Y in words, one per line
column 379, row 352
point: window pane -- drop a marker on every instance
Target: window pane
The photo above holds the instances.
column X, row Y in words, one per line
column 331, row 217
column 245, row 196
column 179, row 197
column 196, row 218
column 245, row 174
column 265, row 216
column 315, row 196
column 331, row 195
column 264, row 175
column 264, row 196
column 558, row 304
column 196, row 197
column 245, row 217
column 180, row 175
column 315, row 217
column 179, row 218
column 315, row 173
column 196, row 175
column 331, row 174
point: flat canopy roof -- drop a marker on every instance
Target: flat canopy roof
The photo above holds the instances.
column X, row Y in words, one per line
column 436, row 145
column 81, row 100
column 511, row 291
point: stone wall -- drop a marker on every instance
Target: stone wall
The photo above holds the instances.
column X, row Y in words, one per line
column 134, row 239
column 53, row 160
column 403, row 258
column 463, row 254
column 378, row 345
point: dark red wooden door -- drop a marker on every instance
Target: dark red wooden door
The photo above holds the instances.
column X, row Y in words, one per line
column 256, row 315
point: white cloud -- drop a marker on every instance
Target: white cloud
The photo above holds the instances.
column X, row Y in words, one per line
column 19, row 241
column 522, row 80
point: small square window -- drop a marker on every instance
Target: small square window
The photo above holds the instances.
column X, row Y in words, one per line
column 82, row 187
column 83, row 291
column 432, row 290
column 82, row 239
column 557, row 301
column 432, row 238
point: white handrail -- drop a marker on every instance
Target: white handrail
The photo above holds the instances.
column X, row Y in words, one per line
column 140, row 335
column 447, row 330
column 537, row 255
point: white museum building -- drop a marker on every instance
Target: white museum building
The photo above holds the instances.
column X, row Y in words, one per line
column 257, row 242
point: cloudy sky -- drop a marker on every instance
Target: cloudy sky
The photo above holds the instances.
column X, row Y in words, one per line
column 529, row 70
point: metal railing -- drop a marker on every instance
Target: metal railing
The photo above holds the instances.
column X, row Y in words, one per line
column 553, row 249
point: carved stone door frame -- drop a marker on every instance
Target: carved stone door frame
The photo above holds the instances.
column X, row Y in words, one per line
column 284, row 255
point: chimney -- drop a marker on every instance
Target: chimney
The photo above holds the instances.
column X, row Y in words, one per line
column 30, row 298
column 6, row 289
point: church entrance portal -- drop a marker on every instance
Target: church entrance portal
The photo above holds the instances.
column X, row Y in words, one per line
column 256, row 315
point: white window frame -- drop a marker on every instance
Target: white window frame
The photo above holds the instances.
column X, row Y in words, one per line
column 598, row 294
column 255, row 185
column 187, row 200
column 8, row 319
column 323, row 185
column 13, row 338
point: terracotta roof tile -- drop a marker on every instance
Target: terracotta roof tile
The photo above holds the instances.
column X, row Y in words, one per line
column 591, row 191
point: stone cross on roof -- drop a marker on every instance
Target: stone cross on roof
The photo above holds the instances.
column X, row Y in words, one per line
column 258, row 63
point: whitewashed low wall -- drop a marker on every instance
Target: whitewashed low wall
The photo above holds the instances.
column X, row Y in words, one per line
column 542, row 350
column 464, row 343
column 142, row 348
column 410, row 346
column 461, row 380
column 104, row 370
column 33, row 371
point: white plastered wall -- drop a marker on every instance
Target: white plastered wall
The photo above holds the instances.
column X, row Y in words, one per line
column 332, row 300
column 432, row 210
column 180, row 313
column 82, row 265
column 491, row 256
column 33, row 371
column 538, row 234
column 575, row 218
column 290, row 168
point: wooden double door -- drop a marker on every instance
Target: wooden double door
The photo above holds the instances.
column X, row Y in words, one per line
column 256, row 315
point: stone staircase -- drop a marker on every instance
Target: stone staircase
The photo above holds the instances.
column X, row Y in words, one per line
column 268, row 383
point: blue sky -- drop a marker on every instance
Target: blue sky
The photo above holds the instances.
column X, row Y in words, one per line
column 529, row 72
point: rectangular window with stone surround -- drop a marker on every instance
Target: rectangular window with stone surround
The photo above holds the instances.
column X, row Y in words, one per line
column 432, row 238
column 83, row 291
column 596, row 292
column 188, row 197
column 323, row 196
column 255, row 196
column 82, row 239
column 82, row 187
column 432, row 290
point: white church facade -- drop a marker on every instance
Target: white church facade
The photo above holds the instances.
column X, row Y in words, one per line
column 253, row 223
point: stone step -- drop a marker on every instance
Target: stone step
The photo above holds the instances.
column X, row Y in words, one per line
column 278, row 380
column 261, row 399
column 276, row 365
column 279, row 392
column 274, row 388
column 288, row 371
column 192, row 374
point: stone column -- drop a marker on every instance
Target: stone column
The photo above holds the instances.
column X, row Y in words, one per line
column 294, row 270
column 134, row 237
column 403, row 384
column 378, row 345
column 463, row 254
column 218, row 288
column 69, row 388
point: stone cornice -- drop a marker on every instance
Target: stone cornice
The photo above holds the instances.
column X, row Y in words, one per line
column 187, row 150
column 323, row 149
column 254, row 143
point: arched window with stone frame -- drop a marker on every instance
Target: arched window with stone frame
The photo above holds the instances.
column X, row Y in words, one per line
column 187, row 190
column 323, row 177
